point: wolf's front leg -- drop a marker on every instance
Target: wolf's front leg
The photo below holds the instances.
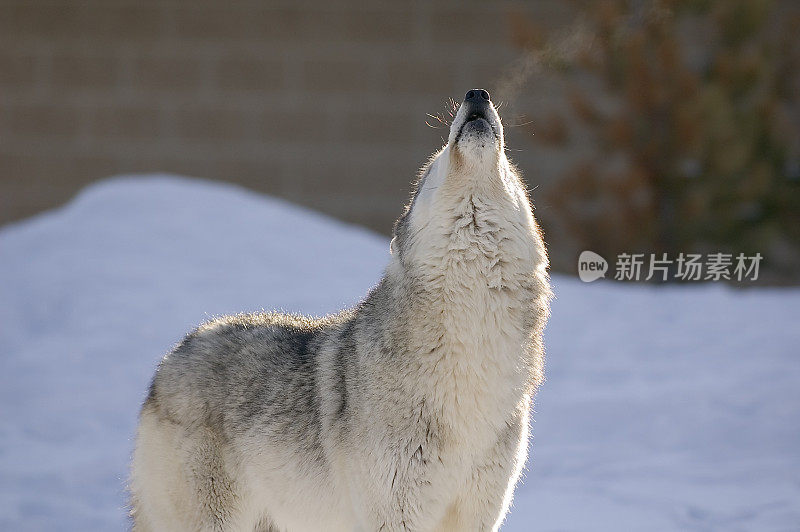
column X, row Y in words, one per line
column 483, row 504
column 416, row 510
column 413, row 496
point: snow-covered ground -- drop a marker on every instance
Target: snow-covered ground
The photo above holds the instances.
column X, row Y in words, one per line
column 665, row 408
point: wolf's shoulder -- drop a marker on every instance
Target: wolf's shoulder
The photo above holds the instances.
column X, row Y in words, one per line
column 265, row 338
column 233, row 357
column 252, row 332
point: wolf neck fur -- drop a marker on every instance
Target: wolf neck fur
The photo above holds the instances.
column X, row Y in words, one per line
column 467, row 291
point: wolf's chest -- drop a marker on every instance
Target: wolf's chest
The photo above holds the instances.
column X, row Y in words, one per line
column 477, row 368
column 478, row 297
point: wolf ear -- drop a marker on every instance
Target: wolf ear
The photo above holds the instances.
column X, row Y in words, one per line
column 397, row 230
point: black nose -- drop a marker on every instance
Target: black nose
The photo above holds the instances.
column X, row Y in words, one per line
column 477, row 96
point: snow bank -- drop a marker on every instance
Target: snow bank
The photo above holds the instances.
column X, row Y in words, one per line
column 665, row 408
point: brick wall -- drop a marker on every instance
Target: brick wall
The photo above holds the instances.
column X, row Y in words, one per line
column 323, row 103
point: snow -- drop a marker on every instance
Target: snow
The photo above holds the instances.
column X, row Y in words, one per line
column 665, row 408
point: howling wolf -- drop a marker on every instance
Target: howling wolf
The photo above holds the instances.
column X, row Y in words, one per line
column 409, row 412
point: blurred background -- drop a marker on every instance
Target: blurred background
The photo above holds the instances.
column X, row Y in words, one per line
column 639, row 126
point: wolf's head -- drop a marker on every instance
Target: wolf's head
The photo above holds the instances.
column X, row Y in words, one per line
column 476, row 134
column 468, row 183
